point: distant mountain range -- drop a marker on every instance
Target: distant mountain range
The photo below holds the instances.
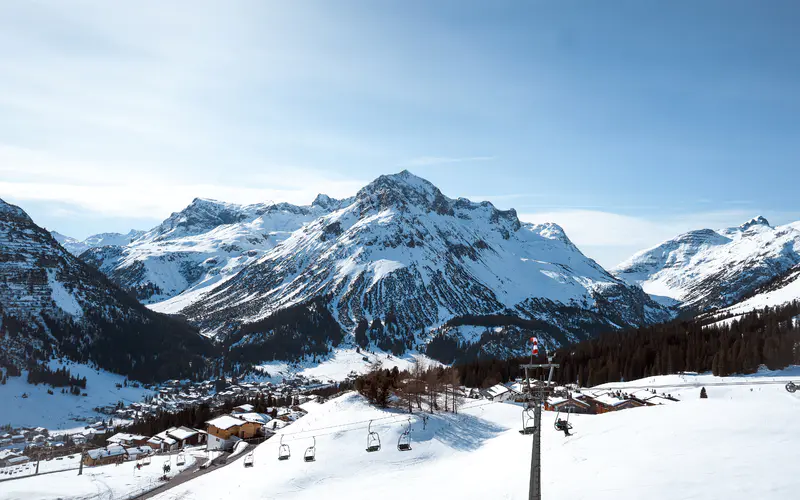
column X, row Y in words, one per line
column 76, row 247
column 710, row 269
column 399, row 267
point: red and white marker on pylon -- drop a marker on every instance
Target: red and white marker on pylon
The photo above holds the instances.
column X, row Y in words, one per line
column 535, row 351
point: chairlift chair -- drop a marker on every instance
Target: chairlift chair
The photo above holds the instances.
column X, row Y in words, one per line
column 311, row 452
column 560, row 424
column 181, row 459
column 248, row 460
column 373, row 439
column 528, row 421
column 283, row 451
column 404, row 441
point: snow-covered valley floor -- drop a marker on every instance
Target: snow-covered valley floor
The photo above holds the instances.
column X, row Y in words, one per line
column 740, row 443
column 63, row 411
column 101, row 482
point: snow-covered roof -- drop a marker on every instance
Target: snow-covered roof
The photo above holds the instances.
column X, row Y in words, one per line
column 139, row 450
column 259, row 418
column 497, row 390
column 246, row 408
column 109, row 451
column 163, row 436
column 122, row 437
column 609, row 400
column 181, row 433
column 225, row 422
column 4, row 454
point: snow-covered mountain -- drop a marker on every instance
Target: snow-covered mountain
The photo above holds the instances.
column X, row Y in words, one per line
column 707, row 269
column 405, row 259
column 200, row 247
column 77, row 247
column 53, row 304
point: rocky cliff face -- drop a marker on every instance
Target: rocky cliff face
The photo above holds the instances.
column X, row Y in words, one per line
column 53, row 304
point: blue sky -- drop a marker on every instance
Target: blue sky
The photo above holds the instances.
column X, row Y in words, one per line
column 626, row 122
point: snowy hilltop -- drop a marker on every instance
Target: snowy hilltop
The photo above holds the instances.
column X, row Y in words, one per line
column 77, row 247
column 707, row 269
column 404, row 259
column 199, row 248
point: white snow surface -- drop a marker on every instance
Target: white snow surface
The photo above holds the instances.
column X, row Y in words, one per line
column 738, row 444
column 714, row 267
column 63, row 411
column 63, row 298
column 101, row 482
column 341, row 364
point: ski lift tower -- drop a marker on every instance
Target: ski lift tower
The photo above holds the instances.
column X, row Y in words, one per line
column 536, row 396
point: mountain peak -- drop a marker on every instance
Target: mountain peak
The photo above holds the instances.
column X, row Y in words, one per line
column 9, row 210
column 323, row 201
column 755, row 221
column 402, row 190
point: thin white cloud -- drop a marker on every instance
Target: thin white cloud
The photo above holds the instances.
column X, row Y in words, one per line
column 426, row 161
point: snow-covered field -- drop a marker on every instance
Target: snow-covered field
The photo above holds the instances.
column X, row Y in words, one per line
column 29, row 469
column 63, row 411
column 740, row 443
column 341, row 363
column 106, row 481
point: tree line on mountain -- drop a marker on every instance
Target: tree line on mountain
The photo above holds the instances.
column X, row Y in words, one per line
column 769, row 337
column 387, row 335
column 292, row 333
column 60, row 377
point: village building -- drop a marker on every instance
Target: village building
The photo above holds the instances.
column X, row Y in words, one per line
column 162, row 442
column 128, row 440
column 569, row 405
column 101, row 456
column 247, row 408
column 17, row 460
column 186, row 436
column 136, row 452
column 498, row 393
column 225, row 430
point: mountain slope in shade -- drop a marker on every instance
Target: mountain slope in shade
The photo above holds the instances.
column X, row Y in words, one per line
column 200, row 247
column 708, row 269
column 404, row 258
column 53, row 304
column 781, row 290
column 77, row 247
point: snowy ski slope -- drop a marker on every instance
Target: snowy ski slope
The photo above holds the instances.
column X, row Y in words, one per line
column 102, row 482
column 741, row 443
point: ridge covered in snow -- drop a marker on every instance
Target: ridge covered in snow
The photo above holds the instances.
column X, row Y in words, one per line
column 401, row 252
column 77, row 247
column 200, row 247
column 707, row 269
